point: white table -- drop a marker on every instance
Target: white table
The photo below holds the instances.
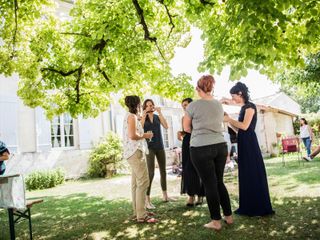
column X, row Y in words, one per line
column 12, row 197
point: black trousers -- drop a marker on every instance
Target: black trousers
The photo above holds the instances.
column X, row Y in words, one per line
column 209, row 162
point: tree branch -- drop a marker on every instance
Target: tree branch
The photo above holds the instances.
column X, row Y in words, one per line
column 78, row 34
column 143, row 22
column 14, row 38
column 62, row 73
column 160, row 52
column 100, row 46
column 77, row 88
column 204, row 2
column 169, row 16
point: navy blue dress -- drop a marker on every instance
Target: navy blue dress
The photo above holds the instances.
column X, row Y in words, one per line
column 254, row 199
column 190, row 182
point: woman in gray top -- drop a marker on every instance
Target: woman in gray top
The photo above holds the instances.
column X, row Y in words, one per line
column 208, row 149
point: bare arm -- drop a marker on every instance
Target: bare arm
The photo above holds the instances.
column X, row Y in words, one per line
column 187, row 124
column 4, row 156
column 246, row 121
column 132, row 130
column 163, row 121
column 143, row 118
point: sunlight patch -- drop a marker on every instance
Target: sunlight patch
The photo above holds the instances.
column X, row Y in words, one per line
column 191, row 214
column 100, row 235
column 291, row 229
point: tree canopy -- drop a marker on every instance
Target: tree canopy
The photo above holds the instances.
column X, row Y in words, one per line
column 109, row 46
column 303, row 85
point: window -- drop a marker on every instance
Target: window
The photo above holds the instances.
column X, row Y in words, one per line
column 62, row 132
column 166, row 138
column 167, row 132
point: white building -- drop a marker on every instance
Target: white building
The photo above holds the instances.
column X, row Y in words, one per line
column 276, row 114
column 38, row 143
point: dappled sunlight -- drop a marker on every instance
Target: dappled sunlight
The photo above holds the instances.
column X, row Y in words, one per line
column 91, row 213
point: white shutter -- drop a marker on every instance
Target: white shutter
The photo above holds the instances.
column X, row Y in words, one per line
column 176, row 126
column 85, row 138
column 119, row 124
column 43, row 130
column 9, row 121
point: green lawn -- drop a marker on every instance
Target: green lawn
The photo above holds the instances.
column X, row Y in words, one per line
column 100, row 209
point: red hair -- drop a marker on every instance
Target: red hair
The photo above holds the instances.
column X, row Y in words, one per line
column 205, row 83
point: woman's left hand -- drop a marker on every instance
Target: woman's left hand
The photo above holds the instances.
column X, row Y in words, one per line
column 157, row 109
column 226, row 118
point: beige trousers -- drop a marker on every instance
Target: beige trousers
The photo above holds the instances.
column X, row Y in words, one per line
column 139, row 183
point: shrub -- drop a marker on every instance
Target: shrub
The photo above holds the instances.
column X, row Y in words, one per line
column 106, row 157
column 44, row 179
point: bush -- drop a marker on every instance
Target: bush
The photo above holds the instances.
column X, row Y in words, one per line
column 44, row 179
column 106, row 157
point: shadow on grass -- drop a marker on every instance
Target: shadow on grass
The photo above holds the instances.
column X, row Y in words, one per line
column 79, row 216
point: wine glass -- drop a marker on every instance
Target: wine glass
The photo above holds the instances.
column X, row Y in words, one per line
column 150, row 139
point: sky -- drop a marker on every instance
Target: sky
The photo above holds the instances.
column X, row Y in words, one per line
column 186, row 60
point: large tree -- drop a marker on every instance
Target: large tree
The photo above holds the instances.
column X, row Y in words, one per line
column 125, row 46
column 303, row 85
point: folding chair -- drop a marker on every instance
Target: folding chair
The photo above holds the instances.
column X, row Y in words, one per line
column 290, row 145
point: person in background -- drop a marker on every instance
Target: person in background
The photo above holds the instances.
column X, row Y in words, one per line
column 190, row 181
column 135, row 147
column 153, row 122
column 254, row 199
column 176, row 164
column 208, row 149
column 306, row 136
column 4, row 156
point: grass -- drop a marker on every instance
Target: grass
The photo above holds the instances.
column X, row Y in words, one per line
column 100, row 209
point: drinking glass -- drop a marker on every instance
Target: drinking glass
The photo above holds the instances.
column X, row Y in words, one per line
column 150, row 139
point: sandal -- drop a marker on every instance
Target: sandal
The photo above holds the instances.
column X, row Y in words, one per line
column 147, row 219
column 149, row 214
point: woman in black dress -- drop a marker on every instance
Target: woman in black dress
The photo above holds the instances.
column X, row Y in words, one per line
column 254, row 199
column 190, row 181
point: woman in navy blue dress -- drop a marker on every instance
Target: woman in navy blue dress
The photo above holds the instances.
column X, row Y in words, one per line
column 254, row 199
column 190, row 181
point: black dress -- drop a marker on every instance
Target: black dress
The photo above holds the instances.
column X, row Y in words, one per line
column 190, row 182
column 254, row 199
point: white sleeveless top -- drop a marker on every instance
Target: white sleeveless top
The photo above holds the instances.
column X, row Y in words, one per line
column 304, row 131
column 131, row 146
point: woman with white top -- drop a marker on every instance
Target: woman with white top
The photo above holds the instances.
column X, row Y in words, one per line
column 306, row 136
column 135, row 148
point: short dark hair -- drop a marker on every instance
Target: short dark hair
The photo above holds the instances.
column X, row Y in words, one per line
column 241, row 89
column 132, row 102
column 189, row 100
